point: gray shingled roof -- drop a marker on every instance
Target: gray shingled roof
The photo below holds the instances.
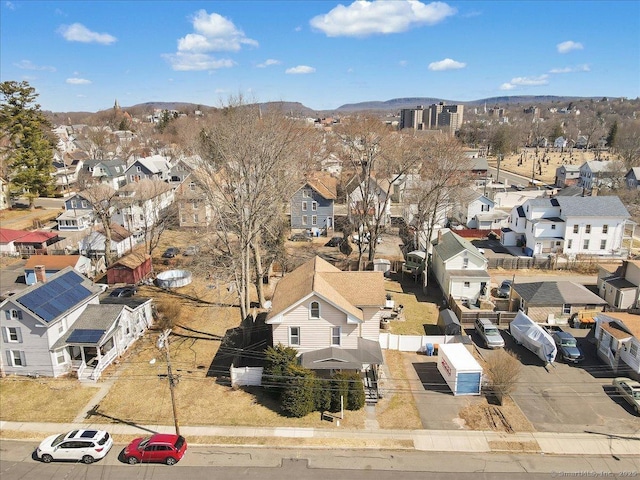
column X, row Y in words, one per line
column 609, row 206
column 94, row 317
column 556, row 293
column 450, row 245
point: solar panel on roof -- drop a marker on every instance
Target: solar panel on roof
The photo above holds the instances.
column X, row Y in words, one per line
column 85, row 336
column 55, row 297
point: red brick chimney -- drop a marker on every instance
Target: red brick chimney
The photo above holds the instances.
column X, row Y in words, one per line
column 41, row 273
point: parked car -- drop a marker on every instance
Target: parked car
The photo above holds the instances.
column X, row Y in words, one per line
column 300, row 237
column 158, row 448
column 190, row 251
column 567, row 347
column 334, row 242
column 79, row 445
column 123, row 292
column 629, row 390
column 489, row 333
column 504, row 289
column 171, row 252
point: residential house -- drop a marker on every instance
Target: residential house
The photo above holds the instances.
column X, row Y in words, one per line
column 142, row 204
column 35, row 242
column 544, row 301
column 560, row 143
column 459, row 267
column 194, row 207
column 33, row 320
column 312, row 205
column 632, row 178
column 40, row 267
column 479, row 170
column 110, row 172
column 567, row 176
column 66, row 172
column 179, row 173
column 130, row 269
column 60, row 326
column 596, row 173
column 474, row 210
column 618, row 342
column 376, row 204
column 332, row 318
column 156, row 167
column 78, row 214
column 93, row 245
column 8, row 239
column 620, row 285
column 569, row 225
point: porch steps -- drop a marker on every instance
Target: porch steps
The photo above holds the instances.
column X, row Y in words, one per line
column 370, row 388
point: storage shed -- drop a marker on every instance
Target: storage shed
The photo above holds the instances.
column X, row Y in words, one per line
column 459, row 369
column 448, row 323
column 130, row 269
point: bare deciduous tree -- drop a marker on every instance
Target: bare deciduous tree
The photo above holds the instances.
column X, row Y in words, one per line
column 102, row 199
column 503, row 371
column 249, row 164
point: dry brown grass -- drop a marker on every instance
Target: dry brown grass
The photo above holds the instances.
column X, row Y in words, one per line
column 482, row 416
column 25, row 399
column 397, row 410
column 418, row 311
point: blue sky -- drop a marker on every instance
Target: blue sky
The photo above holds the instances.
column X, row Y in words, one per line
column 81, row 56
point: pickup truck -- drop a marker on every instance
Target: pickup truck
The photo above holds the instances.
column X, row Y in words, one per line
column 566, row 344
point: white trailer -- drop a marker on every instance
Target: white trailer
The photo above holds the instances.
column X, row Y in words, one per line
column 534, row 337
column 459, row 369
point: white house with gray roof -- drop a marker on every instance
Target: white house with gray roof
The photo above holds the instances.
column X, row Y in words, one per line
column 110, row 172
column 570, row 226
column 59, row 326
column 596, row 173
column 459, row 267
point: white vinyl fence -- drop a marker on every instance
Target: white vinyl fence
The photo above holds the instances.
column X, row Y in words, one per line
column 414, row 343
column 244, row 376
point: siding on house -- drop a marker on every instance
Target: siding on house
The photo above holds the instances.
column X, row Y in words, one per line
column 301, row 218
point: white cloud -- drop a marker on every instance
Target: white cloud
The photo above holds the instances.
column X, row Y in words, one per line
column 403, row 63
column 568, row 46
column 446, row 64
column 78, row 81
column 213, row 33
column 10, row 5
column 363, row 18
column 268, row 63
column 577, row 68
column 182, row 61
column 300, row 70
column 79, row 33
column 29, row 65
column 525, row 82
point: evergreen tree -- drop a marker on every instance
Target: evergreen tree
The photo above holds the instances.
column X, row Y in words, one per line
column 298, row 397
column 278, row 360
column 29, row 151
column 356, row 397
column 611, row 137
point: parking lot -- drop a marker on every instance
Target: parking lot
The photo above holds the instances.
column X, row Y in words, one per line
column 568, row 398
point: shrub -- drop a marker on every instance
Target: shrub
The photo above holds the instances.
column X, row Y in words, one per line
column 355, row 396
column 298, row 396
column 339, row 388
column 279, row 358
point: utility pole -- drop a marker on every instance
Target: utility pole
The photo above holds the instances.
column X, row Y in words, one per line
column 498, row 169
column 163, row 341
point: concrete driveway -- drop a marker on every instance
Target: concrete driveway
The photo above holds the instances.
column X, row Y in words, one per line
column 567, row 398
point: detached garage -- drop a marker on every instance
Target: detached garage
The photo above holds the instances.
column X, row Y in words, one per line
column 459, row 369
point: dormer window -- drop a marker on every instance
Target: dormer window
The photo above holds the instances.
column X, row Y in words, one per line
column 314, row 310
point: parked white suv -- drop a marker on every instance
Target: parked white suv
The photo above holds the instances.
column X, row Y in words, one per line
column 79, row 445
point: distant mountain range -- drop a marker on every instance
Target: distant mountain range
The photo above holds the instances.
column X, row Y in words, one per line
column 388, row 106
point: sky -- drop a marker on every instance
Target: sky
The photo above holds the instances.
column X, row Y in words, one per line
column 83, row 55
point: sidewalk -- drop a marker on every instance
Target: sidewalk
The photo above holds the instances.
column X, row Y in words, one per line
column 549, row 443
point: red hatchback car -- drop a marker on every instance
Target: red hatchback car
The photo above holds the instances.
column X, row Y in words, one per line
column 158, row 448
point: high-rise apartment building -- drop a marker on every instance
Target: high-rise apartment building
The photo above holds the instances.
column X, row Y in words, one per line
column 436, row 117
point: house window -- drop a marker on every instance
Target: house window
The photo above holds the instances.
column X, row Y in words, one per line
column 74, row 204
column 569, row 243
column 305, row 194
column 467, row 284
column 553, row 227
column 335, row 336
column 196, row 219
column 60, row 359
column 603, row 244
column 484, row 208
column 587, row 229
column 314, row 310
column 61, row 327
column 585, row 245
column 314, row 220
column 314, row 206
column 575, row 228
column 14, row 314
column 605, row 228
column 16, row 358
column 304, row 206
column 12, row 335
column 85, row 204
column 465, row 263
column 138, row 169
column 294, row 335
column 192, row 186
column 304, row 220
column 633, row 350
column 566, row 309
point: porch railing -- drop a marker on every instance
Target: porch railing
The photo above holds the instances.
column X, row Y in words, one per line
column 104, row 362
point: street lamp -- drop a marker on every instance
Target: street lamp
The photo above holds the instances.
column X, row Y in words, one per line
column 163, row 341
